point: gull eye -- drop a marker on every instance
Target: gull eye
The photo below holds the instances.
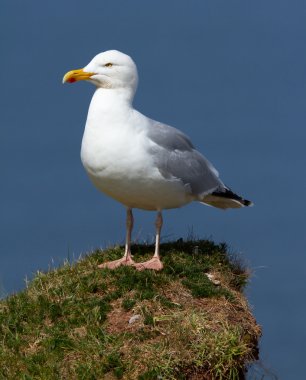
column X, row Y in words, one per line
column 108, row 64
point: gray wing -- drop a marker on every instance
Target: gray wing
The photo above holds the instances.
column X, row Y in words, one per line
column 176, row 157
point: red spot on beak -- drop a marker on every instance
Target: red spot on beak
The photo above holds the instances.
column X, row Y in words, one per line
column 71, row 80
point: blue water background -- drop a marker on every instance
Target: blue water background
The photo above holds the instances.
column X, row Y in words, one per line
column 230, row 74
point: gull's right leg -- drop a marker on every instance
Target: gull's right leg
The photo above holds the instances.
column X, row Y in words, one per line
column 127, row 257
column 155, row 263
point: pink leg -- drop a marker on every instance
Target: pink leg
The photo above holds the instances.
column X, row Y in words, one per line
column 155, row 262
column 127, row 257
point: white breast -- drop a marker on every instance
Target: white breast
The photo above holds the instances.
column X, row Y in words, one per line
column 115, row 153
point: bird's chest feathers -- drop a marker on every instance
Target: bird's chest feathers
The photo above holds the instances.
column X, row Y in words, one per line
column 114, row 152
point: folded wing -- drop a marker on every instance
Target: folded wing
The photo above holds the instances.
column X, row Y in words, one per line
column 176, row 157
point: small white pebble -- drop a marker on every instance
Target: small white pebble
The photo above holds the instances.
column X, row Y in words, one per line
column 134, row 318
column 211, row 277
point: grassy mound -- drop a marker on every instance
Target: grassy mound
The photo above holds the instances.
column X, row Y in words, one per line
column 73, row 322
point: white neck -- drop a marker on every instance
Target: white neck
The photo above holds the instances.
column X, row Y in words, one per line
column 109, row 105
column 107, row 101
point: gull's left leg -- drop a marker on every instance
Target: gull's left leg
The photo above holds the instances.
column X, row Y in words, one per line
column 127, row 257
column 155, row 262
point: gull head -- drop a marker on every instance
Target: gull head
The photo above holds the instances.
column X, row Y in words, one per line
column 110, row 70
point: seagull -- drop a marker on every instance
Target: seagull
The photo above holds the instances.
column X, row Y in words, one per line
column 140, row 162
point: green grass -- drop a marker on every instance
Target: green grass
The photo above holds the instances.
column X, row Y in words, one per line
column 72, row 322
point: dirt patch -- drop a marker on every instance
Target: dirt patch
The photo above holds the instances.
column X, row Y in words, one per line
column 118, row 319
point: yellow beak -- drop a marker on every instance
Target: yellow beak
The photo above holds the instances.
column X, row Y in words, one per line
column 76, row 75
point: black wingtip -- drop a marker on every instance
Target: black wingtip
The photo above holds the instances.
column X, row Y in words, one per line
column 229, row 194
column 247, row 203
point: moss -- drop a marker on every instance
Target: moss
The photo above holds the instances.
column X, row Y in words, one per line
column 128, row 304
